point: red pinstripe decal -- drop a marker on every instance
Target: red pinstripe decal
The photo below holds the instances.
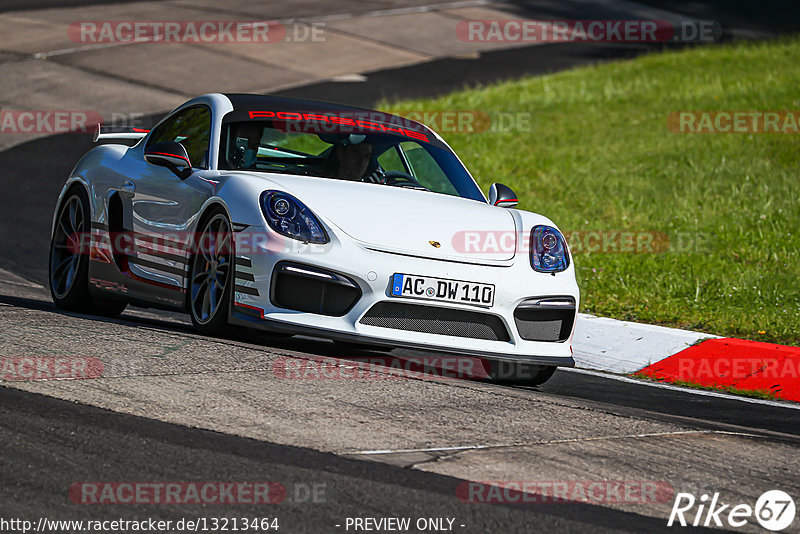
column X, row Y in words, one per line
column 259, row 310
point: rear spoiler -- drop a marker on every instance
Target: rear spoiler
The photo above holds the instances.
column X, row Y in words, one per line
column 101, row 133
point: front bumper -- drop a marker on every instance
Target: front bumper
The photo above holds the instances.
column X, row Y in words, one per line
column 371, row 272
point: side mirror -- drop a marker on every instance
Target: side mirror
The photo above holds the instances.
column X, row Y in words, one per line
column 171, row 155
column 502, row 195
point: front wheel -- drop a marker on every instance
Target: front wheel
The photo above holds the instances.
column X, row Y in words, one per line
column 211, row 274
column 520, row 374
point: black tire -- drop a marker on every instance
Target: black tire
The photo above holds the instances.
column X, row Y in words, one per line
column 69, row 259
column 520, row 374
column 211, row 274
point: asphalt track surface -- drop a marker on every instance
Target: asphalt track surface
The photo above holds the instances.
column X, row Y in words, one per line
column 49, row 443
column 772, row 16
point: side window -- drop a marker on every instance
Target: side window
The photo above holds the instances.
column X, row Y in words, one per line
column 191, row 128
column 425, row 169
column 390, row 160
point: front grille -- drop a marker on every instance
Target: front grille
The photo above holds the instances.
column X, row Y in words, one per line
column 545, row 322
column 435, row 320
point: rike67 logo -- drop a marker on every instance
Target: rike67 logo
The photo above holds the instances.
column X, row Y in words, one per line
column 774, row 510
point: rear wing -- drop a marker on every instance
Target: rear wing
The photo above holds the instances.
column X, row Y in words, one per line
column 110, row 132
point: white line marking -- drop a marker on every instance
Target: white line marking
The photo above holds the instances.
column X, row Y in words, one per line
column 349, row 78
column 701, row 392
column 548, row 442
column 432, row 449
column 23, row 284
column 84, row 48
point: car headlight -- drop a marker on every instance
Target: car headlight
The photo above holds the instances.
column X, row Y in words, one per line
column 548, row 250
column 291, row 218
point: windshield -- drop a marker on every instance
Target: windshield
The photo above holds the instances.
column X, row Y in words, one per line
column 399, row 160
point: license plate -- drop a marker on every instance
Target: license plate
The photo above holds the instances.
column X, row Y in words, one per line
column 442, row 289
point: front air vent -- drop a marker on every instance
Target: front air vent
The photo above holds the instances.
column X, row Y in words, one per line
column 436, row 320
column 545, row 319
column 303, row 288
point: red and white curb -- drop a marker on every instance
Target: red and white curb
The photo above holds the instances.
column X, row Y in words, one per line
column 623, row 347
column 674, row 355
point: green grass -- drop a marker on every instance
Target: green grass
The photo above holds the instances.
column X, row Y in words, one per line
column 599, row 156
column 752, row 393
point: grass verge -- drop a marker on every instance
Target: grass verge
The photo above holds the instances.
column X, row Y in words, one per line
column 597, row 156
column 752, row 393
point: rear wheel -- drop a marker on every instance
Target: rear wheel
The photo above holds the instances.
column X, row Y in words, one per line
column 520, row 374
column 69, row 260
column 211, row 274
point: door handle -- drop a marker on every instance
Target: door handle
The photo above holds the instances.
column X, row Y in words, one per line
column 128, row 186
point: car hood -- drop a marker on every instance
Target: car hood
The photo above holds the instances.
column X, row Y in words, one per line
column 408, row 221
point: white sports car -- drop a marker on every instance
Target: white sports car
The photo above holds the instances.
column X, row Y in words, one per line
column 303, row 217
